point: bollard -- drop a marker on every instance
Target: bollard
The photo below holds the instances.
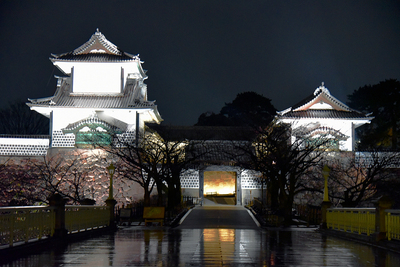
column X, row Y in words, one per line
column 58, row 202
column 382, row 204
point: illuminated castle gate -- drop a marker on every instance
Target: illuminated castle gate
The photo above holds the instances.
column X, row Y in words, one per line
column 220, row 180
column 219, row 183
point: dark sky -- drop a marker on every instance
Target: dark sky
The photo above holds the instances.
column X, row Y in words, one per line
column 200, row 54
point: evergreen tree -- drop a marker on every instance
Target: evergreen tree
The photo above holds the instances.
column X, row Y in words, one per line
column 247, row 109
column 383, row 100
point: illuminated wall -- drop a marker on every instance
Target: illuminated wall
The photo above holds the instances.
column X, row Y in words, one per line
column 219, row 182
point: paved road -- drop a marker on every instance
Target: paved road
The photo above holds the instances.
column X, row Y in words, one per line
column 203, row 246
column 219, row 216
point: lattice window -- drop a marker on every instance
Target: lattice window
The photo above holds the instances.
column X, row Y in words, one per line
column 59, row 139
column 124, row 138
column 23, row 150
column 250, row 180
column 190, row 179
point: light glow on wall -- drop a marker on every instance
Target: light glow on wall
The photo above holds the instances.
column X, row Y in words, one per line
column 219, row 183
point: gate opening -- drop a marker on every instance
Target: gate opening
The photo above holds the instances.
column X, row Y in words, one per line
column 219, row 183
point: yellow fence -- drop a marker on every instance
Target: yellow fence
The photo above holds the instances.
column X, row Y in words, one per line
column 392, row 224
column 21, row 224
column 24, row 224
column 82, row 218
column 360, row 221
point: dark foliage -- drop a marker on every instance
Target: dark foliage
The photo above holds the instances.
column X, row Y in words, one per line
column 247, row 109
column 383, row 100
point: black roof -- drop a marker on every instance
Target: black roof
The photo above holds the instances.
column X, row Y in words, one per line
column 203, row 132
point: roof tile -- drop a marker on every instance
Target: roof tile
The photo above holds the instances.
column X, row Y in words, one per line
column 64, row 98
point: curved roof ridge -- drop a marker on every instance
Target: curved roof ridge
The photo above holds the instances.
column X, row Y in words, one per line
column 320, row 94
column 92, row 119
column 326, row 129
column 97, row 48
column 337, row 101
column 100, row 38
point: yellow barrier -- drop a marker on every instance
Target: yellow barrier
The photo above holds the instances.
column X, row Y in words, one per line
column 82, row 218
column 21, row 224
column 392, row 224
column 154, row 214
column 354, row 220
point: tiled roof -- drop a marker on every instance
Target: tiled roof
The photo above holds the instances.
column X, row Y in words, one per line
column 322, row 93
column 64, row 98
column 211, row 144
column 203, row 132
column 96, row 49
column 94, row 57
column 219, row 151
column 324, row 114
column 305, row 109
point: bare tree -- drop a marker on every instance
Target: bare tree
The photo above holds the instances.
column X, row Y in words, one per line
column 139, row 161
column 286, row 167
column 68, row 174
column 17, row 187
column 155, row 161
column 18, row 119
column 354, row 178
column 178, row 155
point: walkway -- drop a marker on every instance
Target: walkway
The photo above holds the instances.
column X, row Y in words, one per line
column 219, row 216
column 221, row 245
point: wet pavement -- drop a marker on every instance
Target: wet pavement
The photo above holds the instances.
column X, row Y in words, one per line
column 212, row 241
column 219, row 216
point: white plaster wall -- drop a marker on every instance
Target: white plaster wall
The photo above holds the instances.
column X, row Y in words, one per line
column 24, row 141
column 63, row 117
column 343, row 126
column 99, row 77
column 127, row 116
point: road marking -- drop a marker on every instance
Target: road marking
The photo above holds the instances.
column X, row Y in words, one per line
column 184, row 217
column 254, row 219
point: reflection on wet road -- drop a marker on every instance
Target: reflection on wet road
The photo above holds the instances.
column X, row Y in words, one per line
column 212, row 236
column 136, row 246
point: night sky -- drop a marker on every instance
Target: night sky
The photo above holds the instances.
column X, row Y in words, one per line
column 201, row 54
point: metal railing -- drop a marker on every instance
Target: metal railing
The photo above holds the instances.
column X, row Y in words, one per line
column 392, row 219
column 21, row 224
column 190, row 200
column 82, row 218
column 359, row 221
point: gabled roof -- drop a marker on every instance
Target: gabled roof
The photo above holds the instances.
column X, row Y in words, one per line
column 96, row 49
column 321, row 104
